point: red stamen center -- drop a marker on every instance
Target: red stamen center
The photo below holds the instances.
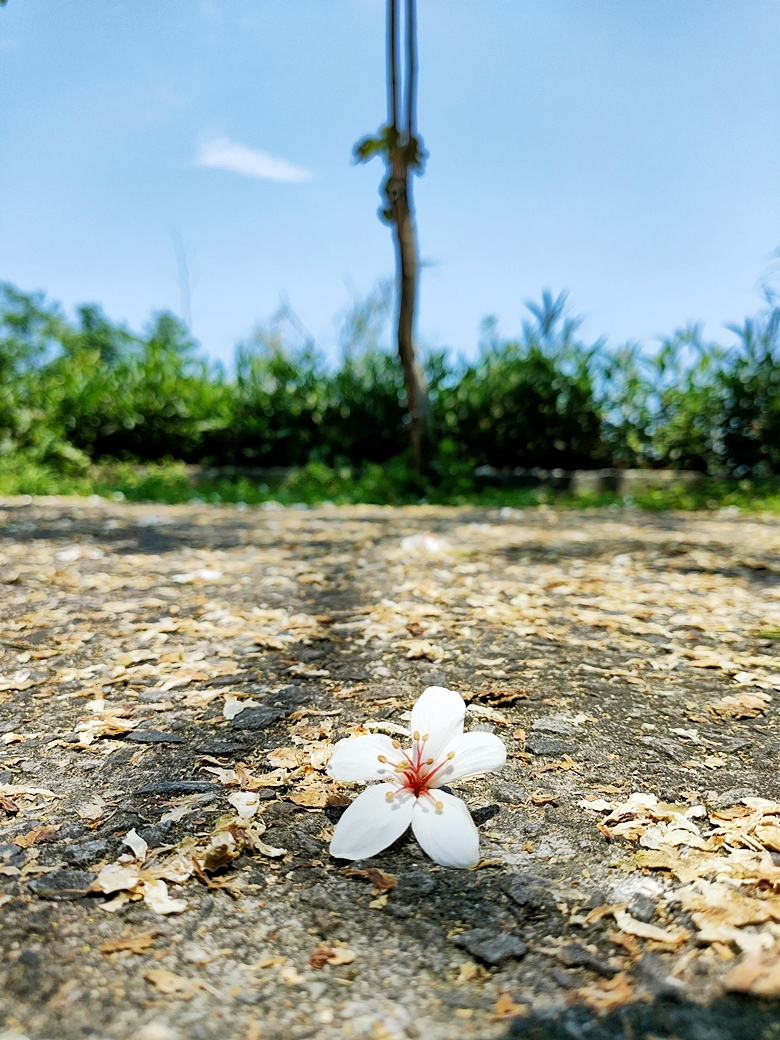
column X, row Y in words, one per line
column 415, row 769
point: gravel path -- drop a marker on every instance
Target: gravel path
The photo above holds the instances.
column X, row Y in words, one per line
column 172, row 682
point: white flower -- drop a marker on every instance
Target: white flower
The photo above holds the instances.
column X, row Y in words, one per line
column 440, row 753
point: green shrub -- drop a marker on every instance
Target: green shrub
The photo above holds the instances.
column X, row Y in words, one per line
column 76, row 391
column 527, row 403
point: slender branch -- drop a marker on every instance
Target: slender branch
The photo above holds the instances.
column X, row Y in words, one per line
column 411, row 69
column 392, row 63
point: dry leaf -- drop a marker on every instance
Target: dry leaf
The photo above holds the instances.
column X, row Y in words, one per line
column 170, row 984
column 287, row 757
column 315, row 796
column 140, row 943
column 381, row 881
column 36, row 836
column 506, row 1008
column 758, row 974
column 608, row 995
column 268, row 962
column 290, row 977
column 540, row 798
column 746, row 705
column 630, row 925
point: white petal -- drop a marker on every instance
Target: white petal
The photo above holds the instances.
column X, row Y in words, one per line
column 474, row 753
column 358, row 759
column 371, row 823
column 439, row 713
column 448, row 835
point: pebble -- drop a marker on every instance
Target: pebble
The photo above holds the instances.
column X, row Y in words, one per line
column 63, row 884
column 530, row 893
column 642, row 907
column 511, row 794
column 491, row 947
column 257, row 718
column 548, row 747
column 154, row 736
column 576, row 956
column 554, row 724
column 87, row 852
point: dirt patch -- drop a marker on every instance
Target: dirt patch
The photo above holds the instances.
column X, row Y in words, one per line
column 173, row 675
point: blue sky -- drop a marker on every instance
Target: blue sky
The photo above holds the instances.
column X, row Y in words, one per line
column 625, row 150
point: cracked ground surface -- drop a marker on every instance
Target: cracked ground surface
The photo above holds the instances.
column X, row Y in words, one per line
column 170, row 673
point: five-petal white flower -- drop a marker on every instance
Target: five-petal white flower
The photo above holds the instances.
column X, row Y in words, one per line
column 411, row 793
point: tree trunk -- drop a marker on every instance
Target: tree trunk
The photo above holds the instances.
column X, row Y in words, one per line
column 398, row 192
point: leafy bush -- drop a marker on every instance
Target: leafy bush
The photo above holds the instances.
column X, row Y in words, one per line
column 75, row 391
column 528, row 403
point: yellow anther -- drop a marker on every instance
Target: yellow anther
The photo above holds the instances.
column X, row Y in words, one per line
column 439, row 806
column 390, row 796
column 425, row 737
column 450, row 756
column 396, row 744
column 429, row 762
column 416, row 734
column 382, row 758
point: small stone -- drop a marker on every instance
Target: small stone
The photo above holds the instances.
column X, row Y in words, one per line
column 642, row 908
column 655, row 975
column 257, row 718
column 178, row 787
column 547, row 747
column 317, row 895
column 223, row 748
column 732, row 796
column 325, row 922
column 63, row 884
column 597, row 898
column 554, row 724
column 491, row 947
column 576, row 956
column 154, row 736
column 676, row 752
column 531, row 894
column 228, row 680
column 485, row 813
column 564, row 979
column 86, row 852
column 511, row 794
column 156, row 835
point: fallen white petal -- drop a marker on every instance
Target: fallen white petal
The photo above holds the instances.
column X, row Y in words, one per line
column 246, row 803
column 358, row 758
column 137, row 844
column 371, row 823
column 475, row 753
column 448, row 835
column 156, row 897
column 235, row 705
column 114, row 878
column 439, row 713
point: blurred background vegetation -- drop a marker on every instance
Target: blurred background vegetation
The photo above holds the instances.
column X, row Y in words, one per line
column 84, row 401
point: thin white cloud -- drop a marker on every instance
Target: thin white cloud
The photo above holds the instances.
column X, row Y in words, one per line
column 221, row 153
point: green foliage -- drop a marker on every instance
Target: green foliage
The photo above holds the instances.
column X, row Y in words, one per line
column 76, row 391
column 528, row 403
column 750, row 387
